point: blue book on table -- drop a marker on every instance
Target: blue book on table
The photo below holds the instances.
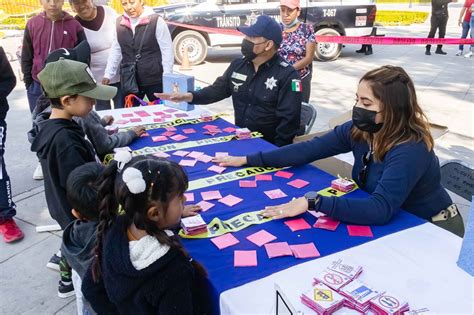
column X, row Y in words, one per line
column 466, row 256
column 178, row 83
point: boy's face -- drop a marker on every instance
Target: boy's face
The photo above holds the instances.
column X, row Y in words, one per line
column 53, row 8
column 133, row 8
column 77, row 106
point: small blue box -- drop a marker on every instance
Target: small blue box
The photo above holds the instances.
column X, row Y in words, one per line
column 178, row 83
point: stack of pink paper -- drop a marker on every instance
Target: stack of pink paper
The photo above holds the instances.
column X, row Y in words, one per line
column 386, row 304
column 206, row 116
column 322, row 299
column 358, row 295
column 193, row 225
column 342, row 184
column 332, row 279
column 243, row 133
column 346, row 268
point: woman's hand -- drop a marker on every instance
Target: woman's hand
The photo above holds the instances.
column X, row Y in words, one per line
column 175, row 97
column 105, row 81
column 287, row 210
column 191, row 210
column 235, row 161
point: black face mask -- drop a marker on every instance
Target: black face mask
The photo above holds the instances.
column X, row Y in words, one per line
column 364, row 119
column 247, row 50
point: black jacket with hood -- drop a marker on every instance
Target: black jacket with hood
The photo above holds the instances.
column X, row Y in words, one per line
column 61, row 147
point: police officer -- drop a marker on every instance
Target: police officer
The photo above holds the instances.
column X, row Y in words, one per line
column 266, row 91
column 439, row 20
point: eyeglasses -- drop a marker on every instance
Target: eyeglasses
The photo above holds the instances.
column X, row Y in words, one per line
column 366, row 158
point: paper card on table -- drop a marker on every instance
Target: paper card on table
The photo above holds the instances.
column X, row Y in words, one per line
column 263, row 177
column 159, row 138
column 145, row 134
column 332, row 279
column 245, row 258
column 167, row 116
column 213, row 132
column 283, row 174
column 230, row 200
column 211, row 195
column 261, row 238
column 221, row 154
column 158, row 113
column 178, row 137
column 171, row 128
column 189, row 131
column 275, row 194
column 181, row 115
column 210, row 127
column 205, row 158
column 326, row 223
column 161, row 154
column 121, row 122
column 205, row 205
column 308, row 250
column 127, row 115
column 195, row 154
column 316, row 214
column 185, row 162
column 158, row 120
column 298, row 183
column 168, row 133
column 359, row 230
column 229, row 129
column 247, row 183
column 297, row 224
column 225, row 241
column 217, row 169
column 135, row 120
column 170, row 110
column 189, row 196
column 181, row 153
column 278, row 249
column 142, row 113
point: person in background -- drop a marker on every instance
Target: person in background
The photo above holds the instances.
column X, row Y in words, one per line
column 395, row 163
column 471, row 26
column 465, row 22
column 50, row 30
column 139, row 24
column 8, row 227
column 99, row 25
column 298, row 44
column 439, row 20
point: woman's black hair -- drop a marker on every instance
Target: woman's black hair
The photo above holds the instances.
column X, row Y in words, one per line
column 164, row 181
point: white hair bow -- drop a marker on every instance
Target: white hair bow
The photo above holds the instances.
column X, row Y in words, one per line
column 122, row 157
column 134, row 180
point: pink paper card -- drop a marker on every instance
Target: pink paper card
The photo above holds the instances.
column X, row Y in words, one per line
column 210, row 127
column 316, row 214
column 181, row 153
column 275, row 194
column 260, row 238
column 189, row 131
column 216, row 168
column 189, row 197
column 205, row 158
column 283, row 174
column 181, row 115
column 229, row 129
column 308, row 250
column 128, row 115
column 135, row 120
column 142, row 113
column 158, row 120
column 190, row 163
column 359, row 230
column 158, row 113
column 168, row 133
column 263, row 177
column 121, row 122
column 327, row 223
column 205, row 205
column 211, row 195
column 145, row 134
column 195, row 154
column 221, row 154
column 297, row 224
column 171, row 128
column 247, row 184
column 225, row 241
column 298, row 183
column 245, row 258
column 159, row 138
column 278, row 249
column 170, row 110
column 230, row 200
column 167, row 116
column 161, row 154
column 213, row 132
column 178, row 137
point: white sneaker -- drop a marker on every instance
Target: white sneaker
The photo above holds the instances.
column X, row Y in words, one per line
column 469, row 54
column 459, row 53
column 38, row 174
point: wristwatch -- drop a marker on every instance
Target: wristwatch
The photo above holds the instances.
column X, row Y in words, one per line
column 313, row 198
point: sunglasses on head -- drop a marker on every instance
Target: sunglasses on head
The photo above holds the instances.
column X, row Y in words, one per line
column 366, row 158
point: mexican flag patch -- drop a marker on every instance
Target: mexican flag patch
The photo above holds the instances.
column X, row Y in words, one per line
column 296, row 85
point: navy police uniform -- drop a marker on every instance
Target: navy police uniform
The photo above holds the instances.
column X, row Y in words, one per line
column 268, row 101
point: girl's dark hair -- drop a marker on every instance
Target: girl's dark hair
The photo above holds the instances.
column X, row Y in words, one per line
column 164, row 181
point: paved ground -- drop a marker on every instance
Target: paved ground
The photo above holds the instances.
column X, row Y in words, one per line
column 445, row 86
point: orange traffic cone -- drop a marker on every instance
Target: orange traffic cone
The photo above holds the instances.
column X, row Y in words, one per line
column 185, row 61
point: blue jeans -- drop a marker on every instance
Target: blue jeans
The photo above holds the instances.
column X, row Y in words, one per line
column 33, row 92
column 7, row 206
column 119, row 99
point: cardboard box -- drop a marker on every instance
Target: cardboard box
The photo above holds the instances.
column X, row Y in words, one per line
column 178, row 83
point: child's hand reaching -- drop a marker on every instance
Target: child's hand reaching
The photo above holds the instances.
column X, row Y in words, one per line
column 139, row 130
column 108, row 119
column 191, row 210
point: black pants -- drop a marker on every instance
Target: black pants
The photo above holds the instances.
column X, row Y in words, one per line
column 306, row 87
column 7, row 206
column 437, row 22
column 149, row 91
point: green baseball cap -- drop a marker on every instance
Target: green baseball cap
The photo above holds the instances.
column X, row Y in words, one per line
column 69, row 77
